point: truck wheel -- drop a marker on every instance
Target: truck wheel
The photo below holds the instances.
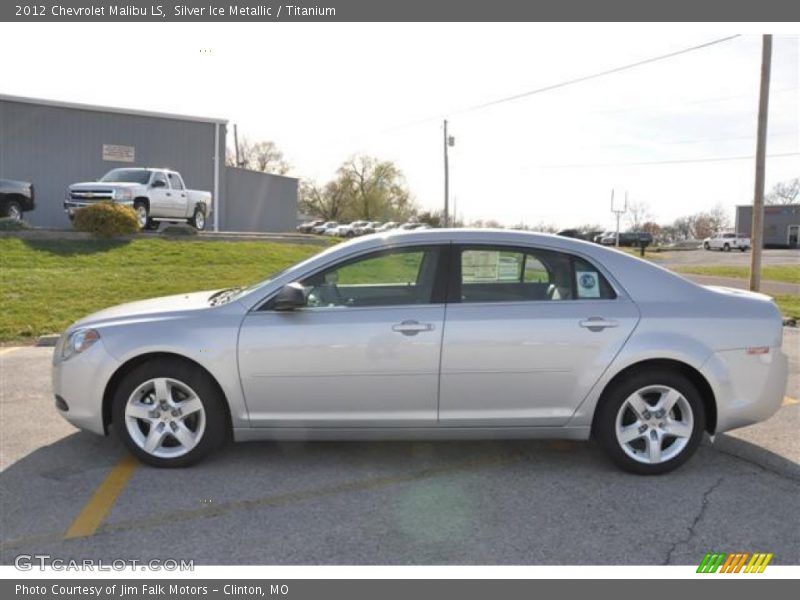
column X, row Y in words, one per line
column 742, row 248
column 726, row 248
column 13, row 210
column 706, row 246
column 142, row 214
column 198, row 221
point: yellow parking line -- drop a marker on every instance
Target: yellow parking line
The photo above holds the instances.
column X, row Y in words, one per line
column 99, row 505
column 787, row 400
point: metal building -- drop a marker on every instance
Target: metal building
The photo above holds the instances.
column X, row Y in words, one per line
column 54, row 144
column 781, row 224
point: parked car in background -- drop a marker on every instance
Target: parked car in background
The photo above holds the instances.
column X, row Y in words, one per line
column 309, row 225
column 413, row 226
column 388, row 226
column 348, row 230
column 155, row 195
column 323, row 227
column 727, row 242
column 572, row 233
column 439, row 334
column 333, row 230
column 598, row 238
column 16, row 198
column 628, row 238
column 370, row 227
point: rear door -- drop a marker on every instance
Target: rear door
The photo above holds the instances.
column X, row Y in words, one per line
column 528, row 333
column 177, row 196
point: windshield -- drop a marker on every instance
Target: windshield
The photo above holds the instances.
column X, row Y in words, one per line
column 127, row 176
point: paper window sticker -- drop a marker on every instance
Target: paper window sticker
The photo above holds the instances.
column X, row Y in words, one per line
column 588, row 284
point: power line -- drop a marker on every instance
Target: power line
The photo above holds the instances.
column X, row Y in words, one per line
column 660, row 162
column 583, row 78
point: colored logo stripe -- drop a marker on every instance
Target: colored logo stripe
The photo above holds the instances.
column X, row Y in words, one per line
column 735, row 562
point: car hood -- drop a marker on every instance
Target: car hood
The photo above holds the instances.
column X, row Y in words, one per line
column 90, row 185
column 165, row 306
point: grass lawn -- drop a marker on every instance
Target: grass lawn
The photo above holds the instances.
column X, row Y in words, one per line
column 789, row 305
column 46, row 285
column 784, row 273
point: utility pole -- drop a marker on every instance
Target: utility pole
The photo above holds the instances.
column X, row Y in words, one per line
column 757, row 229
column 618, row 214
column 236, row 144
column 446, row 179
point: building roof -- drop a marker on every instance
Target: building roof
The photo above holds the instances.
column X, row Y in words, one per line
column 109, row 109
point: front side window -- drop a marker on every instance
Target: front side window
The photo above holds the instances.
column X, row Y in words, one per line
column 518, row 275
column 392, row 278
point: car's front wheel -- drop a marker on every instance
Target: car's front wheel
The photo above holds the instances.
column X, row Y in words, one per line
column 169, row 413
column 706, row 246
column 142, row 214
column 650, row 423
column 13, row 210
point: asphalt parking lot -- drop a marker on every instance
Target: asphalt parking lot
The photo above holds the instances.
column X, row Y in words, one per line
column 769, row 256
column 74, row 495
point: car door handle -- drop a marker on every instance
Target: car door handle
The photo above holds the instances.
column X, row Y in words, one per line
column 412, row 327
column 597, row 323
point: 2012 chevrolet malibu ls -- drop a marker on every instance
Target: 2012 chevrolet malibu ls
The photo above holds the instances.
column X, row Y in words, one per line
column 437, row 334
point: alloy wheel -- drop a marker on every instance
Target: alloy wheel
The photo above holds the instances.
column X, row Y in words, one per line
column 141, row 215
column 165, row 417
column 654, row 424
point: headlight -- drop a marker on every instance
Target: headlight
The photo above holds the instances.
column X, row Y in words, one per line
column 78, row 341
column 123, row 195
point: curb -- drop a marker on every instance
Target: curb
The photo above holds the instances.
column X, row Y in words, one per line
column 48, row 341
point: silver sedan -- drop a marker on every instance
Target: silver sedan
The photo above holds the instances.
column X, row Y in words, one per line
column 437, row 334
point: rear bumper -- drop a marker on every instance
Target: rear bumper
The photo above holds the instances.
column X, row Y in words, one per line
column 749, row 388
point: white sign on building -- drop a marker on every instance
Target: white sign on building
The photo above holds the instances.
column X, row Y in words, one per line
column 115, row 153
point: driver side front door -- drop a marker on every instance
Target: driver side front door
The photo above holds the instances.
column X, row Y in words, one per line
column 363, row 353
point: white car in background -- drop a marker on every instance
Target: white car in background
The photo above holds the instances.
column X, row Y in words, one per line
column 349, row 230
column 438, row 334
column 321, row 229
column 727, row 242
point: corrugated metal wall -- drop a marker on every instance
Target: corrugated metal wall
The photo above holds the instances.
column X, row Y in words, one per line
column 777, row 219
column 56, row 146
column 258, row 201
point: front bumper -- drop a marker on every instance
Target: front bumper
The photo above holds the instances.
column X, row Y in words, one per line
column 81, row 382
column 749, row 388
column 70, row 206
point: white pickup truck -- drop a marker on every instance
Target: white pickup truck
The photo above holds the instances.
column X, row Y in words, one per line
column 155, row 194
column 727, row 242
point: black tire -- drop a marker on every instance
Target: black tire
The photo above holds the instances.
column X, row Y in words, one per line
column 726, row 248
column 216, row 431
column 198, row 220
column 604, row 427
column 12, row 209
column 706, row 246
column 742, row 249
column 139, row 205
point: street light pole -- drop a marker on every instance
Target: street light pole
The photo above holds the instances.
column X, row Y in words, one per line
column 757, row 229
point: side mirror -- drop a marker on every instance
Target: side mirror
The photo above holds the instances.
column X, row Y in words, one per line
column 159, row 183
column 291, row 297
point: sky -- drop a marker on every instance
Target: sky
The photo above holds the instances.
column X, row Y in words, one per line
column 324, row 92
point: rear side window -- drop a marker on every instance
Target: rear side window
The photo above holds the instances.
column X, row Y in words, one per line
column 489, row 274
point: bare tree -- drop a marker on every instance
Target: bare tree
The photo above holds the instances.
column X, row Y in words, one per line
column 785, row 192
column 329, row 202
column 638, row 213
column 259, row 156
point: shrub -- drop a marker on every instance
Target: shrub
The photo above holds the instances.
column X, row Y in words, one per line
column 106, row 220
column 7, row 224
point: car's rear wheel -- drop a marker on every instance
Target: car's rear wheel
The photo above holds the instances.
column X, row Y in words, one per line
column 169, row 413
column 198, row 221
column 13, row 210
column 650, row 423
